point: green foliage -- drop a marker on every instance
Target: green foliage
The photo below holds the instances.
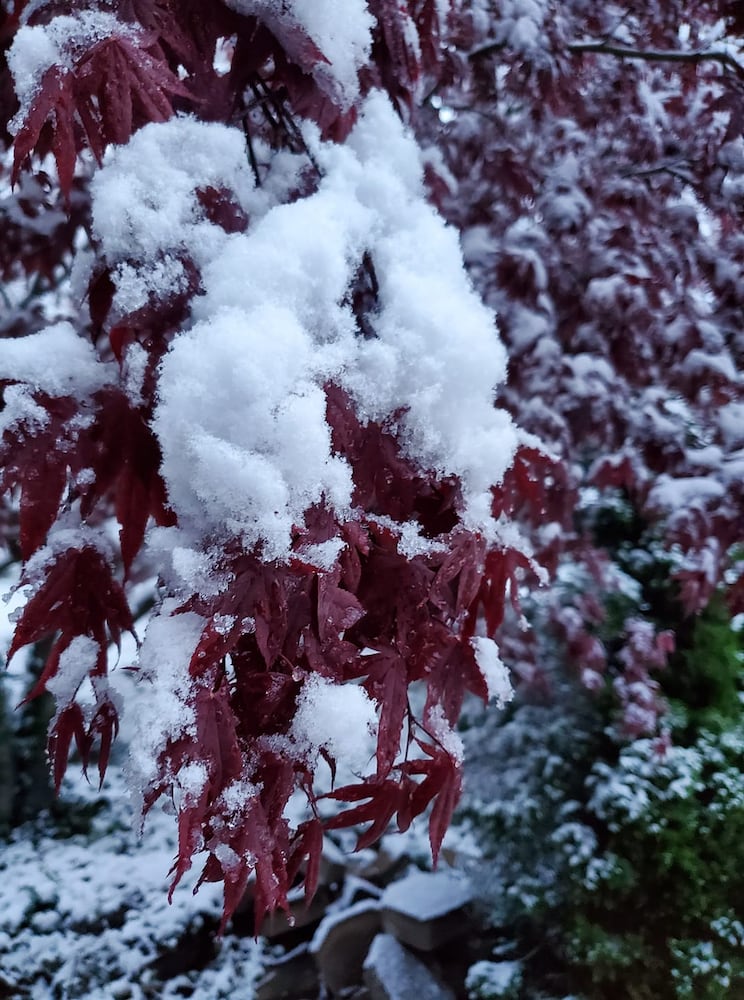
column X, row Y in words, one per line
column 705, row 677
column 665, row 888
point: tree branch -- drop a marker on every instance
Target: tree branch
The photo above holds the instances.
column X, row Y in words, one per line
column 626, row 52
column 487, row 49
column 656, row 55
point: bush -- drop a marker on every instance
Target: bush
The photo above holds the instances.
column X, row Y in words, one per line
column 621, row 860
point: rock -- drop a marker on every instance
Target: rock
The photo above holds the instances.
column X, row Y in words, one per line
column 195, row 949
column 392, row 973
column 342, row 941
column 381, row 867
column 293, row 974
column 9, row 991
column 427, row 909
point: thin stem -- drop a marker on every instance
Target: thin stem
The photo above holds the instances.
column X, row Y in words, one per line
column 251, row 152
column 290, row 125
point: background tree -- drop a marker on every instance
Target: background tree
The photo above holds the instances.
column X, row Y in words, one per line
column 595, row 166
column 593, row 160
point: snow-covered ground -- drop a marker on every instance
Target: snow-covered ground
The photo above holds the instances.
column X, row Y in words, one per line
column 87, row 917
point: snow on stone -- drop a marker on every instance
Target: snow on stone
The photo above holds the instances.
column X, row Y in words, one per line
column 401, row 975
column 495, row 674
column 333, row 919
column 338, row 719
column 428, row 895
column 341, row 29
column 60, row 43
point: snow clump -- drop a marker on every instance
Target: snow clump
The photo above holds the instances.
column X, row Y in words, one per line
column 241, row 419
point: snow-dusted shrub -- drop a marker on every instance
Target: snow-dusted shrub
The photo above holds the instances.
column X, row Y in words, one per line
column 617, row 864
column 494, row 981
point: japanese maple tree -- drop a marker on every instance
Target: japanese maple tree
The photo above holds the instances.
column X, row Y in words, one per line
column 272, row 371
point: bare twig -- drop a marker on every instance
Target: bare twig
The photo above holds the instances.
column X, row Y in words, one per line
column 670, row 169
column 605, row 47
column 656, row 55
column 251, row 152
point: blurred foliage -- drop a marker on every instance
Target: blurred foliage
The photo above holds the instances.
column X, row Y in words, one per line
column 620, row 863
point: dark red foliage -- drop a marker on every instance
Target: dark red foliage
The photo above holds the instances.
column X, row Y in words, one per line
column 111, row 90
column 377, row 616
column 595, row 167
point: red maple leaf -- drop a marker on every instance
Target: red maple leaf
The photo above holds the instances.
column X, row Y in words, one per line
column 113, row 88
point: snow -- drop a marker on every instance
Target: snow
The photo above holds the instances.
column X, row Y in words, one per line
column 670, row 493
column 403, row 976
column 66, row 534
column 341, row 720
column 334, row 919
column 86, row 916
column 341, row 29
column 145, row 206
column 622, row 794
column 520, row 25
column 428, row 895
column 241, row 422
column 322, row 555
column 494, row 979
column 241, row 417
column 75, row 663
column 246, row 446
column 20, row 410
column 699, row 362
column 495, row 674
column 438, row 726
column 56, row 361
column 164, row 714
column 731, row 424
